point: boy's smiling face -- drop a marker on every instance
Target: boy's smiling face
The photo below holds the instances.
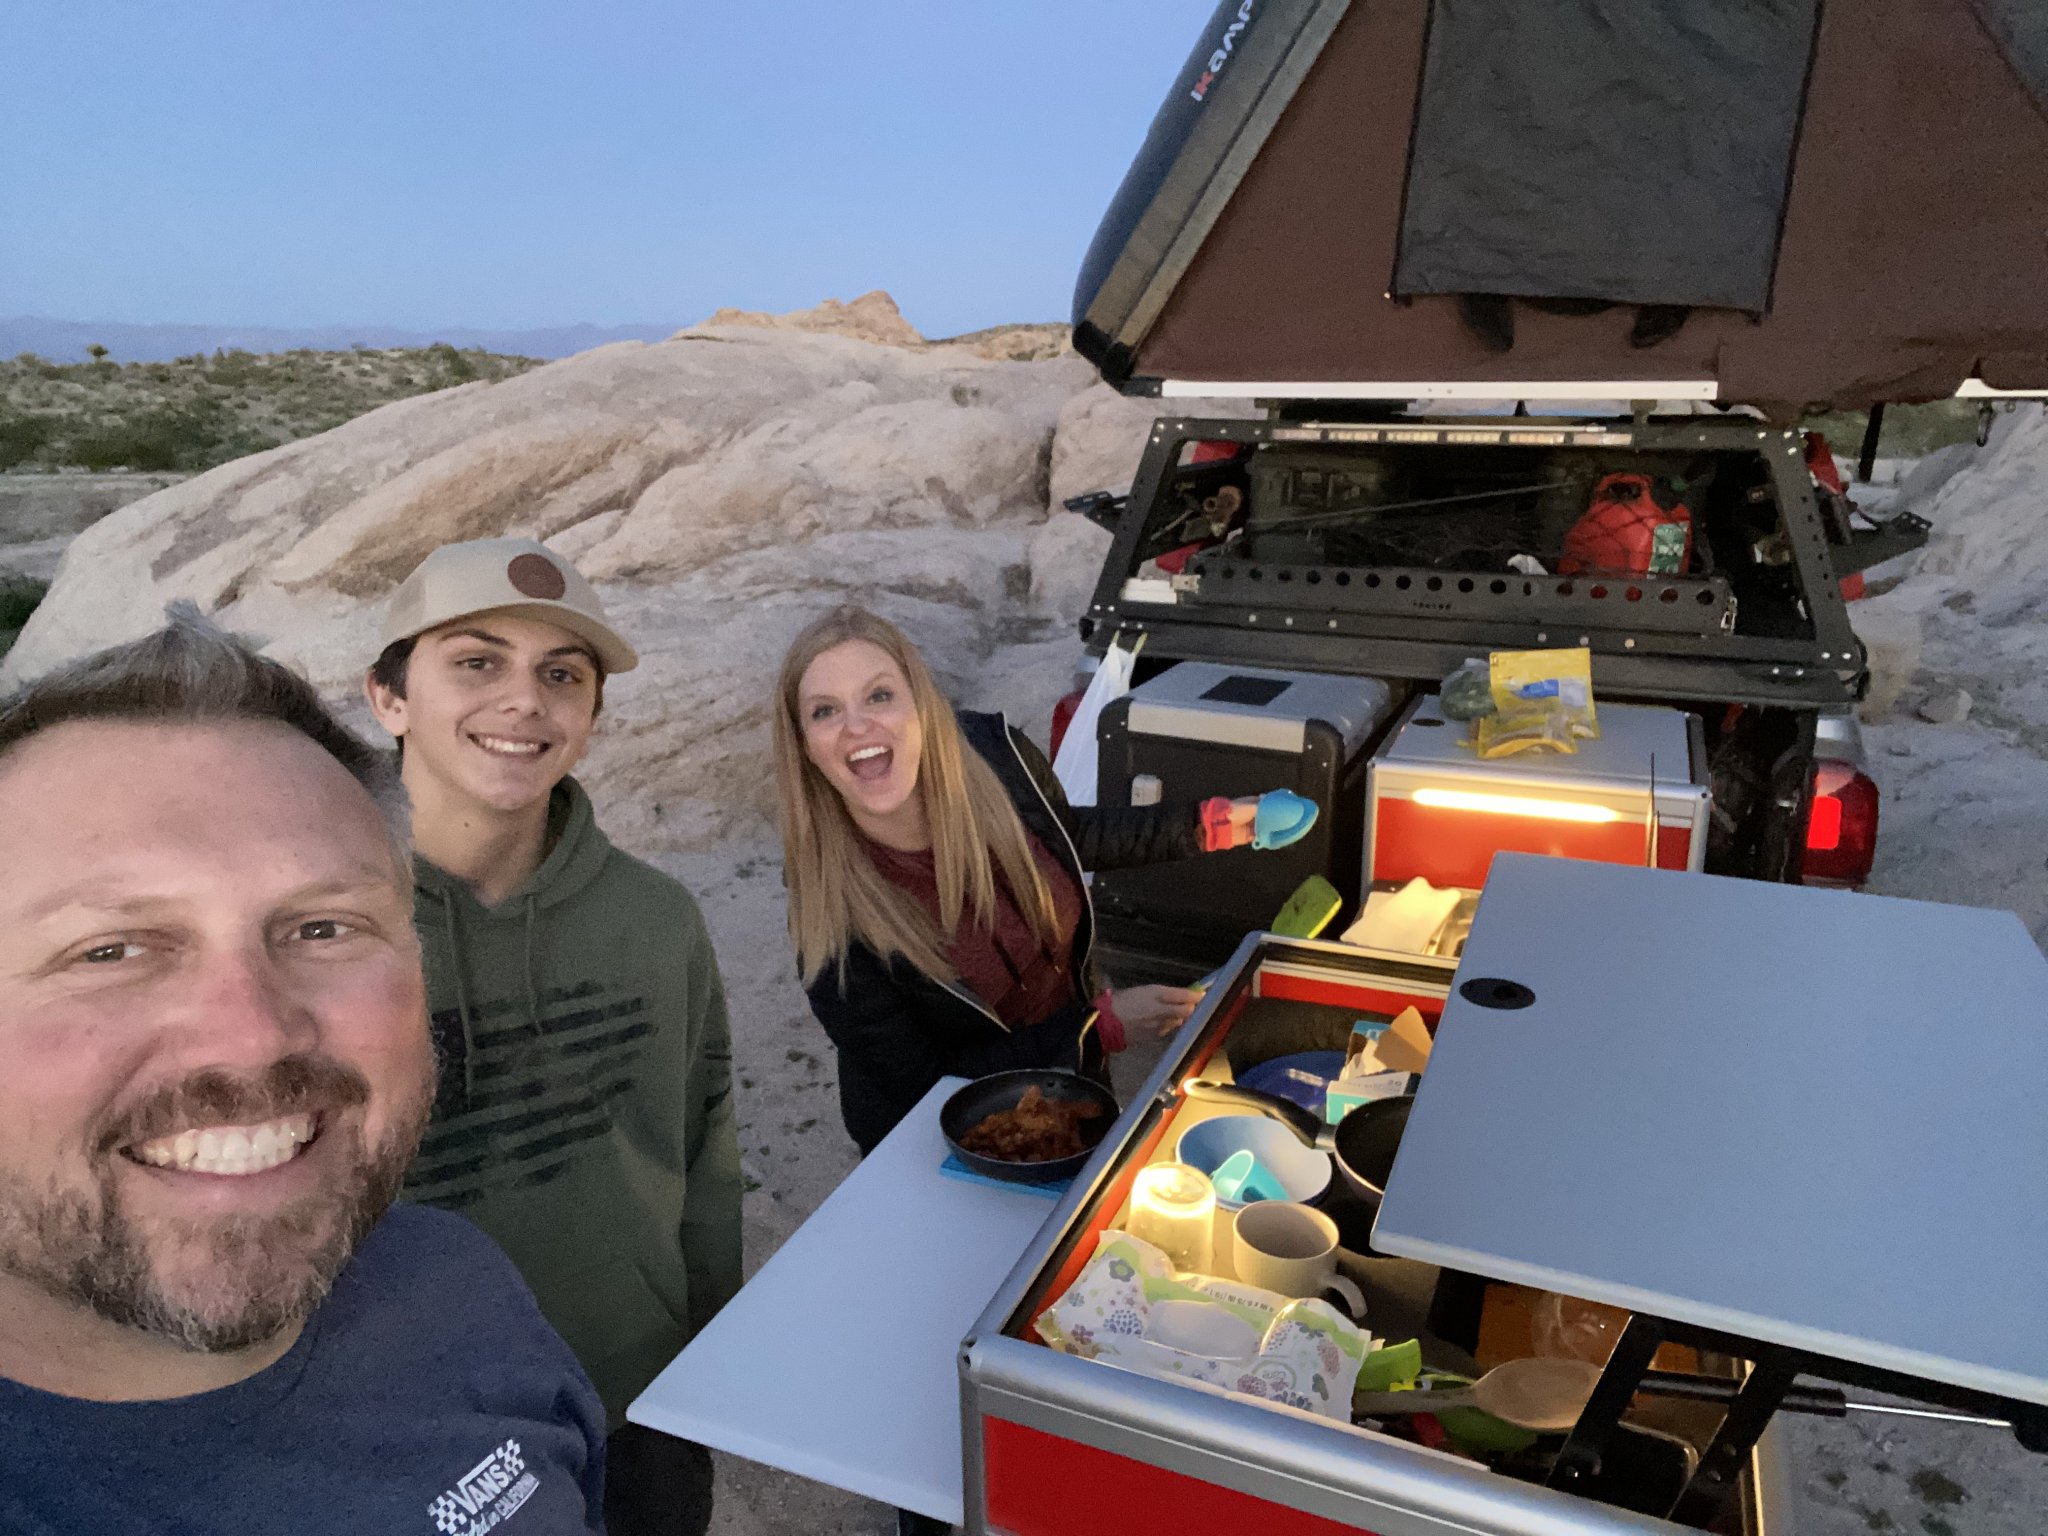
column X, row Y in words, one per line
column 497, row 708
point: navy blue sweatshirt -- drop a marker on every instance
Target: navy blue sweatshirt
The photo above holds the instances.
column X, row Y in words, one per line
column 425, row 1395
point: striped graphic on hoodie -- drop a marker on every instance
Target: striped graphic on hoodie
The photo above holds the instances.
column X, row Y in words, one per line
column 522, row 1094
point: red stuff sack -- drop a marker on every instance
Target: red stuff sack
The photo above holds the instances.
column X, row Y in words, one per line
column 1629, row 530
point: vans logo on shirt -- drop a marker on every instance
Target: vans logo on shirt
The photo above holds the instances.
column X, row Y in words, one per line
column 486, row 1496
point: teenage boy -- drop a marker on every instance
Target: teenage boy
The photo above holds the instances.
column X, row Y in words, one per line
column 216, row 1070
column 585, row 1117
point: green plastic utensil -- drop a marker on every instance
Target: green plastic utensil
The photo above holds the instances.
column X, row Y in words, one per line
column 1312, row 908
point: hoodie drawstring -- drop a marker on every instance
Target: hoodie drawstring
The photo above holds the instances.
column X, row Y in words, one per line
column 456, row 967
column 532, row 987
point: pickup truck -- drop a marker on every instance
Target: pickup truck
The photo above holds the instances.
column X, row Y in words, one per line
column 1342, row 211
column 1342, row 538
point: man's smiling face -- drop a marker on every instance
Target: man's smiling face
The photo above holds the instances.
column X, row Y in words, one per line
column 212, row 1024
column 497, row 708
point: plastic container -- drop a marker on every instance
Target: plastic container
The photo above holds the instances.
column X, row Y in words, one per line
column 1304, row 1171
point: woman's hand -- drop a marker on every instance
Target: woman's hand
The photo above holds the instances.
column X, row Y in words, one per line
column 1161, row 1010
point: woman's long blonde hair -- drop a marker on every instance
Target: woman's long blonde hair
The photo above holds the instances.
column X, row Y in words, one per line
column 836, row 895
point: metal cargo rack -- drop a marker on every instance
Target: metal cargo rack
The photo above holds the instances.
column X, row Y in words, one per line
column 1667, row 637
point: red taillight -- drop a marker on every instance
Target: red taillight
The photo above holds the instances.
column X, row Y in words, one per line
column 1063, row 716
column 1824, row 825
column 1841, row 828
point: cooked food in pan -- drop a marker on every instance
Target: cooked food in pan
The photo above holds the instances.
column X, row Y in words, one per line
column 1038, row 1130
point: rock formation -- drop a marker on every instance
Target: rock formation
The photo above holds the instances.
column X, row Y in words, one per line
column 721, row 488
column 871, row 317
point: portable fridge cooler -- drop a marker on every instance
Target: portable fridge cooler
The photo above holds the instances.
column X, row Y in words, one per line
column 1436, row 810
column 1201, row 729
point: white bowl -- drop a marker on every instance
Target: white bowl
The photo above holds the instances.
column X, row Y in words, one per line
column 1303, row 1171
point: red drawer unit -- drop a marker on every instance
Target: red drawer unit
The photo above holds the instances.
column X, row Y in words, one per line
column 1058, row 1445
column 1437, row 811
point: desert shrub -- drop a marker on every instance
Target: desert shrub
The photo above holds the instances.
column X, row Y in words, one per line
column 167, row 437
column 233, row 367
column 18, row 598
column 453, row 367
column 20, row 437
column 1909, row 430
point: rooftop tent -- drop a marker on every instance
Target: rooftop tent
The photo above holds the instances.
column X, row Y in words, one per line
column 1790, row 203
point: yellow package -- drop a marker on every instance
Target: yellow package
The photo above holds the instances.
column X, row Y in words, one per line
column 1542, row 700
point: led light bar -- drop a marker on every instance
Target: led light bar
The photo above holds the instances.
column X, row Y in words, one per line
column 1513, row 805
column 1486, row 389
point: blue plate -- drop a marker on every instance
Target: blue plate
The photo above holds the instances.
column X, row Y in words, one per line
column 1302, row 1078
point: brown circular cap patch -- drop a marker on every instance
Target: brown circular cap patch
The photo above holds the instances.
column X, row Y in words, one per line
column 536, row 576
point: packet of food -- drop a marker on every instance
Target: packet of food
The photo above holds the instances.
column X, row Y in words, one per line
column 1468, row 692
column 1544, row 730
column 1541, row 700
column 1130, row 1308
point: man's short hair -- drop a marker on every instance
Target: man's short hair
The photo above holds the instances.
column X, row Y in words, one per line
column 190, row 673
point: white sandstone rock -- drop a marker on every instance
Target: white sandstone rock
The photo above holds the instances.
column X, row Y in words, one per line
column 1891, row 637
column 722, row 488
column 1946, row 706
column 871, row 317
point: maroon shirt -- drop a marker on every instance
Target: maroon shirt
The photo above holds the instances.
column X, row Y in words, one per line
column 1020, row 981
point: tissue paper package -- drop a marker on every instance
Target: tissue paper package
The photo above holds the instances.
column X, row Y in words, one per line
column 1129, row 1308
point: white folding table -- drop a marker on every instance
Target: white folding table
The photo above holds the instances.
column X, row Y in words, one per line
column 1810, row 1121
column 839, row 1360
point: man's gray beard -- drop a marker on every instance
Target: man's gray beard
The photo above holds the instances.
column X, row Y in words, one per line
column 271, row 1271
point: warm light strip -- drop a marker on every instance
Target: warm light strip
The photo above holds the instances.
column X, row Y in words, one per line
column 1487, row 389
column 1512, row 805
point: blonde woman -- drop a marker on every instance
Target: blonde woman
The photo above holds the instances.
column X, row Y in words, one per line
column 934, row 869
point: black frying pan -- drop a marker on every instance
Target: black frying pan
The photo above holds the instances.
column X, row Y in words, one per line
column 1363, row 1143
column 992, row 1095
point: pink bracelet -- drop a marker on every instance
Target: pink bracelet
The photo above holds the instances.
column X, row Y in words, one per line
column 1109, row 1029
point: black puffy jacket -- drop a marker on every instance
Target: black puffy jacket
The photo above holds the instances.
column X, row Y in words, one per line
column 898, row 1031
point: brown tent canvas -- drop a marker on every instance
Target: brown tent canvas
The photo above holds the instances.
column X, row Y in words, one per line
column 1798, row 204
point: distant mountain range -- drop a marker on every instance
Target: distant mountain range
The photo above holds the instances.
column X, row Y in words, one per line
column 65, row 341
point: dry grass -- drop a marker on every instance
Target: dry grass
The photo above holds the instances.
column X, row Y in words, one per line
column 205, row 410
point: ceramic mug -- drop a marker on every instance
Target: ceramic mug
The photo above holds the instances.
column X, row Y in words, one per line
column 1282, row 1246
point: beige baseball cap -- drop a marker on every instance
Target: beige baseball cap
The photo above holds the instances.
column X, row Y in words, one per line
column 503, row 576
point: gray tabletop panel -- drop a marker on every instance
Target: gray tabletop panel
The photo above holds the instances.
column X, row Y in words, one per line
column 1809, row 1117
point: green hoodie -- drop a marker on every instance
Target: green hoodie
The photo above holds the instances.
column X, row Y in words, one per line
column 585, row 1116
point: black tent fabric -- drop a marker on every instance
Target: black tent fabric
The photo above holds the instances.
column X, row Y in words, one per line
column 1635, row 151
column 1260, row 253
column 1246, row 65
column 2021, row 30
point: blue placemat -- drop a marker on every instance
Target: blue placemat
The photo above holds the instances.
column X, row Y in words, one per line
column 953, row 1168
column 1302, row 1078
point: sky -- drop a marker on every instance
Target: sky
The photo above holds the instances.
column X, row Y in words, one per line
column 501, row 163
